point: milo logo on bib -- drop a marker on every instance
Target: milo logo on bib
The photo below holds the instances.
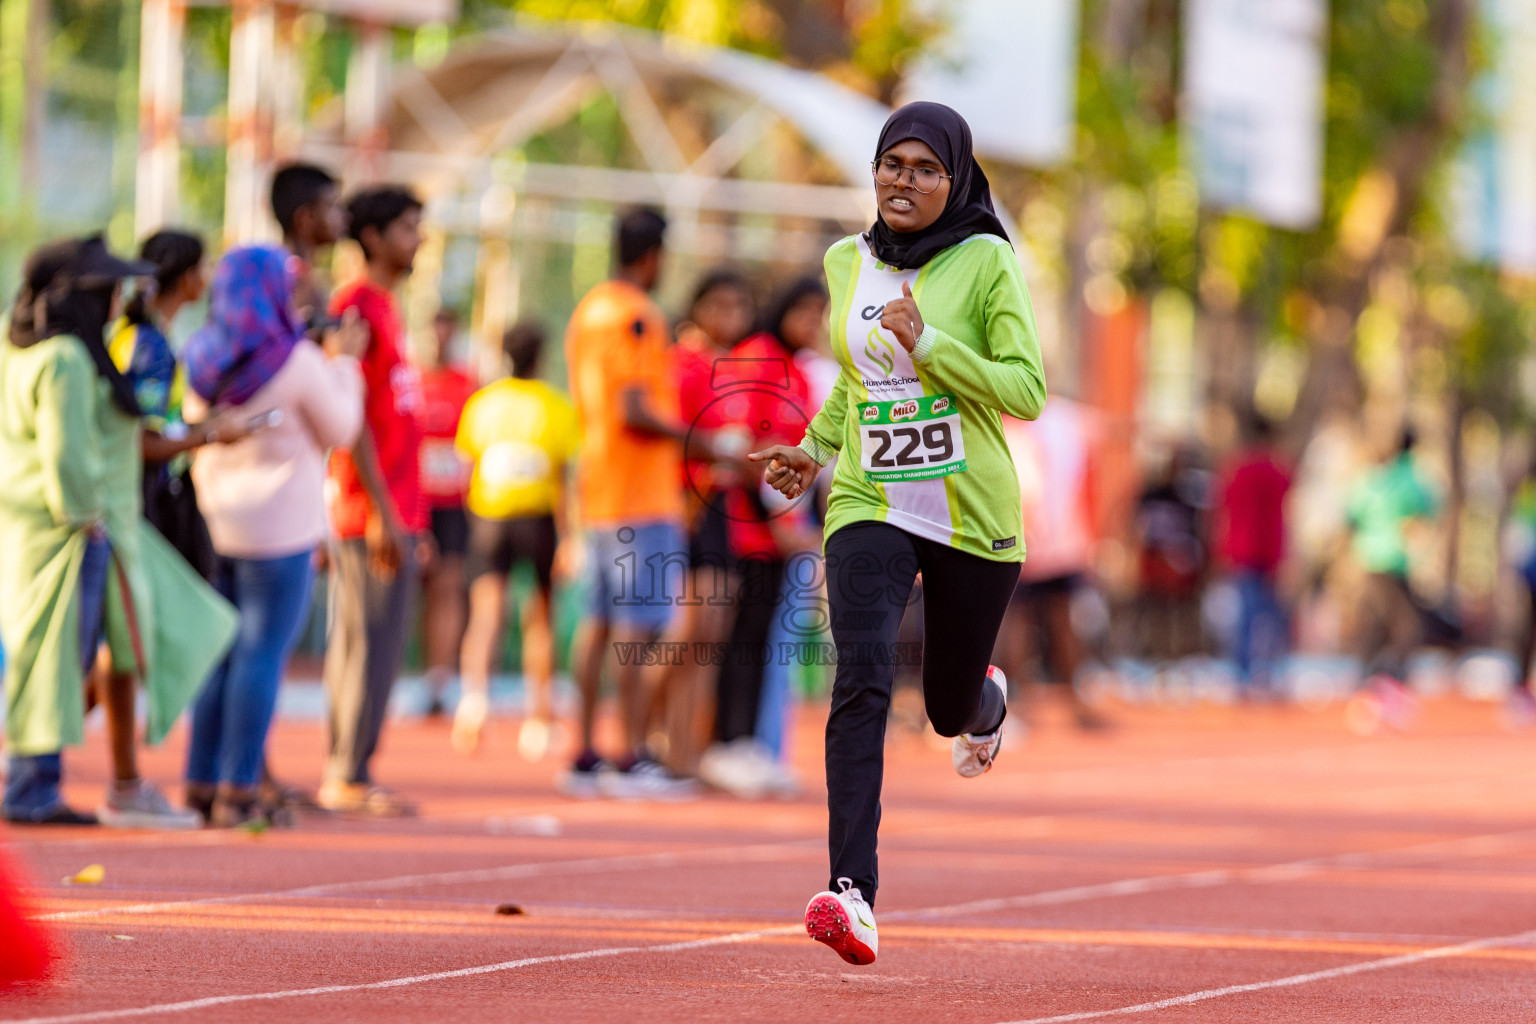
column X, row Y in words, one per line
column 911, row 439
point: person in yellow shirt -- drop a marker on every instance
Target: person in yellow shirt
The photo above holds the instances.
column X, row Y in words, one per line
column 520, row 434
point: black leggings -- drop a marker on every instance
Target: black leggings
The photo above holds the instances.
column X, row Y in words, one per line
column 741, row 676
column 870, row 570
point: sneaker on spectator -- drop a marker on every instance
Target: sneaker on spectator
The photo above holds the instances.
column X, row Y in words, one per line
column 645, row 779
column 741, row 768
column 581, row 779
column 140, row 804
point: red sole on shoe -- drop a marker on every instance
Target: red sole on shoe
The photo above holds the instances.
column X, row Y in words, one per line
column 827, row 922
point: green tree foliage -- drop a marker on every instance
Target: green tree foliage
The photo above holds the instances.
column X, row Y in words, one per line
column 1396, row 116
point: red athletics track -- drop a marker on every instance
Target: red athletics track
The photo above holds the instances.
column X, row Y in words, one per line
column 1209, row 865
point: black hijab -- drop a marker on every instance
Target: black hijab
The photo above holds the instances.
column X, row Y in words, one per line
column 968, row 210
column 67, row 289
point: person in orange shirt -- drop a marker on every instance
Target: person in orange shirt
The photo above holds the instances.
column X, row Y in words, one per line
column 629, row 497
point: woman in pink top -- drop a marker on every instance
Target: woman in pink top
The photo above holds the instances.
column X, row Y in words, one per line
column 263, row 500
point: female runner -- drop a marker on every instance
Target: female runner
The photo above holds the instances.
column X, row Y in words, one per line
column 932, row 326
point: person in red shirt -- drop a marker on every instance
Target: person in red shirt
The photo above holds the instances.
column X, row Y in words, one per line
column 766, row 531
column 445, row 482
column 378, row 509
column 1250, row 541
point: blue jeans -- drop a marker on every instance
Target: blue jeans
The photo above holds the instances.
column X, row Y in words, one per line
column 233, row 713
column 1262, row 630
column 637, row 573
column 799, row 618
column 32, row 781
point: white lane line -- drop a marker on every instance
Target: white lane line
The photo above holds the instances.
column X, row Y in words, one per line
column 1471, row 846
column 1291, row 870
column 1386, row 963
column 628, row 862
column 736, row 938
column 415, row 979
column 1477, row 844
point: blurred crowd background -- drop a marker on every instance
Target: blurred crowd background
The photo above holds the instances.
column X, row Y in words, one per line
column 1283, row 256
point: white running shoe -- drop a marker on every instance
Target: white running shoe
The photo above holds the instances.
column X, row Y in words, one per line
column 581, row 780
column 973, row 755
column 144, row 806
column 646, row 780
column 741, row 768
column 845, row 922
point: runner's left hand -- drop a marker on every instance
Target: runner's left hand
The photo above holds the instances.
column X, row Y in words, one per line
column 902, row 319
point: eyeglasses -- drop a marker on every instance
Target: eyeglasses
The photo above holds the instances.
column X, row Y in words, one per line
column 925, row 179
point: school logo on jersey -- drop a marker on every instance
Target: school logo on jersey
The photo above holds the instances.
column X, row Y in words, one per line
column 939, row 405
column 880, row 351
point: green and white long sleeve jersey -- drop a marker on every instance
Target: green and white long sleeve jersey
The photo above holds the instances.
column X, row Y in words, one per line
column 920, row 434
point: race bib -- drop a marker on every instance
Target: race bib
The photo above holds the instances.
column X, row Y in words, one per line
column 911, row 439
column 443, row 469
column 514, row 464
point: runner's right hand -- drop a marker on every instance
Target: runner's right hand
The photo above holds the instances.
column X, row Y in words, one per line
column 790, row 470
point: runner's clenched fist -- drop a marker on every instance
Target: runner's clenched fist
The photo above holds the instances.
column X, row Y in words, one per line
column 902, row 319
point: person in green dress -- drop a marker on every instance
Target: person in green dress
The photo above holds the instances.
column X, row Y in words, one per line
column 79, row 561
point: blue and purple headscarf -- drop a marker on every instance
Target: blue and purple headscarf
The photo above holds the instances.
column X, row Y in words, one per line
column 252, row 326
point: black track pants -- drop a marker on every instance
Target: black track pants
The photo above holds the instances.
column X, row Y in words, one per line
column 870, row 571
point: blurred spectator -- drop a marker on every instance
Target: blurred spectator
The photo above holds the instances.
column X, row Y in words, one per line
column 629, row 485
column 1053, row 456
column 445, row 387
column 520, row 436
column 797, row 323
column 1384, row 505
column 1250, row 541
column 378, row 511
column 1520, row 554
column 80, row 562
column 716, row 393
column 306, row 202
column 1170, row 530
column 760, row 390
column 265, row 506
column 142, row 352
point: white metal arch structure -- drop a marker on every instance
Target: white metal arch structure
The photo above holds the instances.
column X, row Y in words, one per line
column 697, row 117
column 446, row 126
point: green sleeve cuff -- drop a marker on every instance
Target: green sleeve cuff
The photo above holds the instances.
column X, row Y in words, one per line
column 816, row 451
column 925, row 342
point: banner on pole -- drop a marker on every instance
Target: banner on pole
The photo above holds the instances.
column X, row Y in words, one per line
column 1011, row 69
column 1253, row 106
column 1495, row 182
